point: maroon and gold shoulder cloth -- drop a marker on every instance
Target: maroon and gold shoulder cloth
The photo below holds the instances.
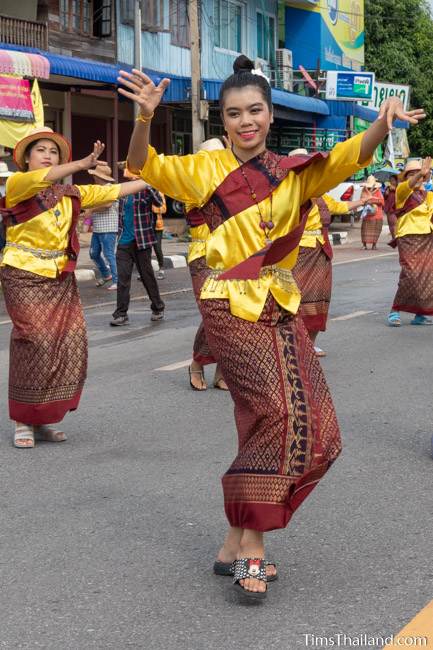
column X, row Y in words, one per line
column 42, row 202
column 265, row 173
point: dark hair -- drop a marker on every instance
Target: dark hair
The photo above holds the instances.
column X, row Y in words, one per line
column 243, row 76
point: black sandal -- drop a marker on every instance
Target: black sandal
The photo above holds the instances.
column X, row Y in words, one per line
column 228, row 569
column 203, row 381
column 250, row 568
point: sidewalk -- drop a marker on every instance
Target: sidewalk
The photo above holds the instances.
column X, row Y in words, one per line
column 346, row 241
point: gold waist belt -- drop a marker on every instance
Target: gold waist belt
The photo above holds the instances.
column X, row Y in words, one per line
column 42, row 253
column 313, row 233
column 283, row 277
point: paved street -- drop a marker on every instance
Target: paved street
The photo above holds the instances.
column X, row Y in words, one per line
column 107, row 541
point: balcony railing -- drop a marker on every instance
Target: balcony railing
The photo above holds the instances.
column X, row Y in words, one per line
column 28, row 33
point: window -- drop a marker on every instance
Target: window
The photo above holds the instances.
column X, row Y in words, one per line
column 265, row 37
column 76, row 16
column 102, row 18
column 88, row 17
column 152, row 14
column 227, row 20
column 179, row 23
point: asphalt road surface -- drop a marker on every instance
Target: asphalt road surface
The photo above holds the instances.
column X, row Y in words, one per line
column 107, row 541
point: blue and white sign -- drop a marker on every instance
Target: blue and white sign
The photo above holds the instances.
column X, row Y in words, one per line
column 349, row 86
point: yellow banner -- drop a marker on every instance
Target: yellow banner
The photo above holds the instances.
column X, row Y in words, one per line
column 12, row 132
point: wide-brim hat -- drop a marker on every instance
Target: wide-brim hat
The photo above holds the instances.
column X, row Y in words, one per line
column 42, row 133
column 102, row 170
column 414, row 165
column 371, row 183
column 298, row 152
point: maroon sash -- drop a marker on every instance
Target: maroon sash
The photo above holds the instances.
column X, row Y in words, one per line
column 42, row 202
column 265, row 172
column 325, row 218
column 415, row 199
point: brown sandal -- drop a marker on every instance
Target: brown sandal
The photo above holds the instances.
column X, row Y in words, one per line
column 197, row 372
column 220, row 383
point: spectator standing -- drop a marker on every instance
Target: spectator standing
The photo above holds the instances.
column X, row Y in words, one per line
column 159, row 210
column 105, row 224
column 136, row 238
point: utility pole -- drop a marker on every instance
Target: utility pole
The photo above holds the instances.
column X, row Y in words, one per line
column 137, row 43
column 197, row 124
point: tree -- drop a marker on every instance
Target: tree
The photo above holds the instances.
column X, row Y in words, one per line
column 398, row 48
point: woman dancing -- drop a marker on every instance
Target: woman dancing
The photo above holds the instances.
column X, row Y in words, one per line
column 254, row 203
column 48, row 349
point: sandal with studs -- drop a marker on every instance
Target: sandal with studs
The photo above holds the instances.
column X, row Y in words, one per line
column 250, row 568
column 228, row 569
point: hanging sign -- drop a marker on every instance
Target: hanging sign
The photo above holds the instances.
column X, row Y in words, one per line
column 349, row 86
column 15, row 100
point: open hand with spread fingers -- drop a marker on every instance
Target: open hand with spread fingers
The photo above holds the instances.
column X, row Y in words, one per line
column 392, row 109
column 90, row 161
column 426, row 168
column 141, row 90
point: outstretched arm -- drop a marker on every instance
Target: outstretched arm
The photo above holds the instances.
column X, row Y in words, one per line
column 423, row 174
column 58, row 172
column 142, row 90
column 392, row 109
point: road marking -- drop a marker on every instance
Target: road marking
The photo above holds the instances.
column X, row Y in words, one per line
column 174, row 366
column 354, row 314
column 113, row 302
column 420, row 626
column 363, row 259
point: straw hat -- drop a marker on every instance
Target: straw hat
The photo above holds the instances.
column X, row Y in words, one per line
column 4, row 170
column 298, row 152
column 43, row 133
column 414, row 165
column 102, row 170
column 213, row 144
column 371, row 183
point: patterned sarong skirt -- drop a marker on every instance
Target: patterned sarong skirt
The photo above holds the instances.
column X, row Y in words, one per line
column 415, row 285
column 370, row 230
column 313, row 275
column 48, row 348
column 288, row 433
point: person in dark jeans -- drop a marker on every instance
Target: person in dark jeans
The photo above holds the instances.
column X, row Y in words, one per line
column 136, row 238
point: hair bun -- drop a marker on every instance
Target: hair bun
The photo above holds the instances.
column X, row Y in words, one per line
column 243, row 64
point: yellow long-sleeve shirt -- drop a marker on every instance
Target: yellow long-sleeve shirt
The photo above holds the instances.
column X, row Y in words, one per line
column 418, row 220
column 314, row 222
column 49, row 230
column 194, row 178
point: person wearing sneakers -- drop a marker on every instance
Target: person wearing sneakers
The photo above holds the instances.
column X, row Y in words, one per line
column 48, row 348
column 105, row 224
column 158, row 211
column 134, row 246
column 414, row 240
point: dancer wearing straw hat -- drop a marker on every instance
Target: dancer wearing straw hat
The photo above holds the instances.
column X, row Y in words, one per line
column 372, row 214
column 48, row 349
column 414, row 240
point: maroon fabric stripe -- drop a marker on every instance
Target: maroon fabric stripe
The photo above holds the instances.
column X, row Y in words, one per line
column 46, row 413
column 195, row 218
column 250, row 268
column 416, row 198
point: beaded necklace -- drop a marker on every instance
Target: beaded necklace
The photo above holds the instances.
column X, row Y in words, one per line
column 266, row 226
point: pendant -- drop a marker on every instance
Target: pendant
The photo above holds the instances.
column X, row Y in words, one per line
column 57, row 213
column 266, row 225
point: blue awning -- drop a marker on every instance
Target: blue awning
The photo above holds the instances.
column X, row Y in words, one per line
column 299, row 102
column 357, row 110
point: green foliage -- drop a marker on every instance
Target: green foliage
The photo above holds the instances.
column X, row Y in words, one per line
column 398, row 48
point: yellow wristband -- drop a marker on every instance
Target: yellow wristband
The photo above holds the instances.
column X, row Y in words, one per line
column 145, row 120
